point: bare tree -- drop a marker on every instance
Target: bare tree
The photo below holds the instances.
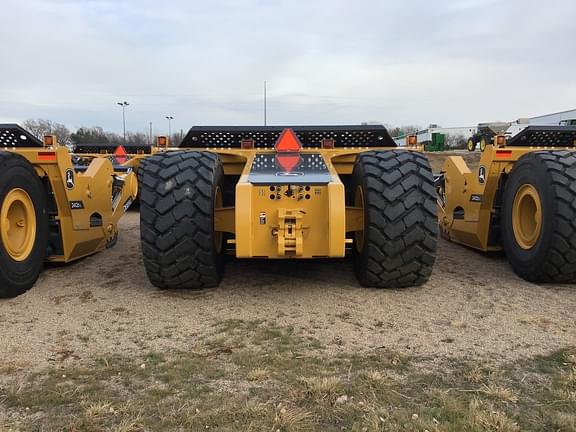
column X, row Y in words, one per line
column 93, row 135
column 397, row 131
column 409, row 129
column 41, row 127
column 137, row 138
column 176, row 139
column 62, row 133
column 86, row 135
column 456, row 141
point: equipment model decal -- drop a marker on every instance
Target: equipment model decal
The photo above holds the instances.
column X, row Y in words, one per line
column 69, row 179
column 482, row 174
column 128, row 204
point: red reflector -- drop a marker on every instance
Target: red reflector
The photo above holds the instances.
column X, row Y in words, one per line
column 288, row 162
column 247, row 144
column 46, row 156
column 120, row 154
column 288, row 142
column 503, row 153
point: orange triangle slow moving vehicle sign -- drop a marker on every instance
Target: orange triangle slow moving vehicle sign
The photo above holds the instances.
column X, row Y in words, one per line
column 288, row 161
column 120, row 154
column 288, row 142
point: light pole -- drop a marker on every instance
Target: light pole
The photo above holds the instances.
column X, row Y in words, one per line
column 169, row 118
column 124, row 105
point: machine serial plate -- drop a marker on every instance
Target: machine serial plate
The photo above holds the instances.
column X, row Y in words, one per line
column 289, row 168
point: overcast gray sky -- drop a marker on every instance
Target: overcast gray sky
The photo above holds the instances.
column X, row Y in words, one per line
column 326, row 61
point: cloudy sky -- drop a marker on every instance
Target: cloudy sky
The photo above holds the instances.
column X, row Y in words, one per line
column 326, row 61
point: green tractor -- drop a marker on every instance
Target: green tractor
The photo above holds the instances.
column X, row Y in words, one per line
column 484, row 134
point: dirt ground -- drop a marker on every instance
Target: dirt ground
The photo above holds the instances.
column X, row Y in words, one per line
column 473, row 306
column 438, row 158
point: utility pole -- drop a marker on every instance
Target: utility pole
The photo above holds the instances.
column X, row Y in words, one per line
column 151, row 143
column 264, row 103
column 169, row 118
column 124, row 105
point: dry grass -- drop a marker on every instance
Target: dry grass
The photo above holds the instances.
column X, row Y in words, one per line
column 253, row 376
column 565, row 395
column 459, row 324
column 568, row 379
column 98, row 409
column 10, row 368
column 128, row 425
column 503, row 394
column 490, row 418
column 570, row 358
column 292, row 419
column 322, row 389
column 563, row 421
column 535, row 320
column 475, row 375
column 258, row 374
column 376, row 376
column 374, row 423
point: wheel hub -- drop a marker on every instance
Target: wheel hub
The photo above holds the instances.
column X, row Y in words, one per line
column 18, row 224
column 527, row 216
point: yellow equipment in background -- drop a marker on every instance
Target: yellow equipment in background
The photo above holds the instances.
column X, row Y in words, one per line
column 54, row 205
column 521, row 198
column 286, row 193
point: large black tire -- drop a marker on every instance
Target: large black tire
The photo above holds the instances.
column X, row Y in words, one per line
column 17, row 276
column 179, row 245
column 398, row 246
column 552, row 257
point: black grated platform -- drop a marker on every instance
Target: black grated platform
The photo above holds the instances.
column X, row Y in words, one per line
column 13, row 136
column 266, row 136
column 110, row 148
column 545, row 136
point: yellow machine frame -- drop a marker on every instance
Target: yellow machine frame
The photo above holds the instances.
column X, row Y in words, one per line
column 81, row 197
column 290, row 220
column 475, row 192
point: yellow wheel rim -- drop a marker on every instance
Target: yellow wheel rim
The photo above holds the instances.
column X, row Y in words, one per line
column 18, row 224
column 359, row 235
column 471, row 145
column 483, row 144
column 527, row 216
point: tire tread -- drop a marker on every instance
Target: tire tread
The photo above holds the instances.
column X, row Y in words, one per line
column 176, row 219
column 402, row 228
